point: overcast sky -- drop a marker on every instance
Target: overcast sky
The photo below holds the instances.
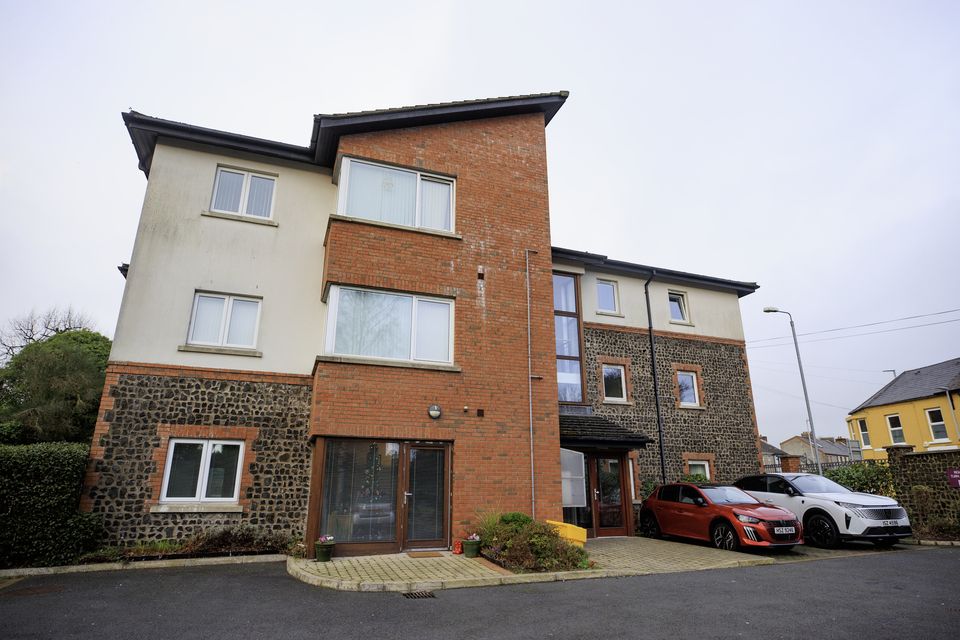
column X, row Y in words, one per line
column 812, row 147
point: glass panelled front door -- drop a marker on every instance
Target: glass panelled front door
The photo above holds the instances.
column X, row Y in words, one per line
column 608, row 494
column 384, row 496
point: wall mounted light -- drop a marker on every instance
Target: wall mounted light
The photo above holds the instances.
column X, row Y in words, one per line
column 434, row 411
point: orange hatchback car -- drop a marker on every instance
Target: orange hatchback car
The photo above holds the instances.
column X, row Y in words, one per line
column 725, row 516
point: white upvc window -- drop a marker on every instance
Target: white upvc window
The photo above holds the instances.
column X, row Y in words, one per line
column 394, row 326
column 396, row 196
column 687, row 385
column 608, row 299
column 699, row 467
column 573, row 484
column 864, row 433
column 614, row 383
column 679, row 309
column 243, row 193
column 221, row 320
column 938, row 429
column 202, row 471
column 896, row 429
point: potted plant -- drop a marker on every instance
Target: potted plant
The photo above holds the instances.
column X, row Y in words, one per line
column 323, row 548
column 471, row 546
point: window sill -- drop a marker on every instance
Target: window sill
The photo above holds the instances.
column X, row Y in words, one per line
column 381, row 362
column 612, row 314
column 401, row 227
column 196, row 507
column 233, row 216
column 941, row 441
column 695, row 407
column 224, row 351
column 622, row 403
column 682, row 323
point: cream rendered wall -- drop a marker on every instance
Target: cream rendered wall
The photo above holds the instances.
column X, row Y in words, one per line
column 712, row 313
column 178, row 251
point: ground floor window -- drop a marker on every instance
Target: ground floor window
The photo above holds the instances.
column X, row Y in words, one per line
column 202, row 471
column 699, row 468
column 360, row 487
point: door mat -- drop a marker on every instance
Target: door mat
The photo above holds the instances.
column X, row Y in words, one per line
column 424, row 554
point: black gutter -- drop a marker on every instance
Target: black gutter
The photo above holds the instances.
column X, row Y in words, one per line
column 656, row 384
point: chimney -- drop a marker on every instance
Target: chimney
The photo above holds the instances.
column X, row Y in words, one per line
column 764, row 438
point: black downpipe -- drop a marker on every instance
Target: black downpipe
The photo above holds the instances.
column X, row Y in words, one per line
column 656, row 384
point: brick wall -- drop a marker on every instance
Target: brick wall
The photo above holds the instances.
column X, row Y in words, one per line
column 143, row 406
column 928, row 468
column 722, row 431
column 501, row 210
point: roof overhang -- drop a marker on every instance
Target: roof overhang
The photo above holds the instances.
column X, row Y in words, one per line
column 595, row 432
column 602, row 263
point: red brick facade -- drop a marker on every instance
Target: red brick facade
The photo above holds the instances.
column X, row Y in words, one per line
column 501, row 211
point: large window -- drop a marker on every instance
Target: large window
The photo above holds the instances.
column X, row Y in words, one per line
column 224, row 321
column 937, row 426
column 396, row 196
column 243, row 193
column 377, row 324
column 202, row 471
column 864, row 433
column 896, row 429
column 567, row 333
column 360, row 491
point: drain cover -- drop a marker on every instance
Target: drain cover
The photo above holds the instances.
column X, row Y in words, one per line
column 419, row 595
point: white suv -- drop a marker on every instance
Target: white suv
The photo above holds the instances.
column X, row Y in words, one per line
column 830, row 512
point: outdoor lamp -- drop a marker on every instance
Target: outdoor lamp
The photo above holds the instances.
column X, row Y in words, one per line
column 433, row 411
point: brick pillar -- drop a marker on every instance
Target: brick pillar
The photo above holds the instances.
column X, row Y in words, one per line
column 790, row 464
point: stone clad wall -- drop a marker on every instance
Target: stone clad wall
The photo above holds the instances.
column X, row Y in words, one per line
column 930, row 469
column 144, row 406
column 725, row 427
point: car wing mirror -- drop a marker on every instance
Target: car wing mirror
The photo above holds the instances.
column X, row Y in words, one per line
column 701, row 502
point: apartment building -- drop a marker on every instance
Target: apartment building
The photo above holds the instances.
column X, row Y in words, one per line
column 359, row 337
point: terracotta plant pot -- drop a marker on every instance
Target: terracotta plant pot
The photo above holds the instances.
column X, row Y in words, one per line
column 323, row 551
column 471, row 548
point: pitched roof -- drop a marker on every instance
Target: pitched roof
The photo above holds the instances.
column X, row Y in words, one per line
column 607, row 265
column 827, row 447
column 593, row 430
column 917, row 383
column 770, row 450
column 144, row 130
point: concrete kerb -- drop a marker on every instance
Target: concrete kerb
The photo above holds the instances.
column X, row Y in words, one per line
column 932, row 543
column 142, row 564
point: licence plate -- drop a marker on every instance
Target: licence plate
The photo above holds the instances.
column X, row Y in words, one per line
column 784, row 530
column 889, row 523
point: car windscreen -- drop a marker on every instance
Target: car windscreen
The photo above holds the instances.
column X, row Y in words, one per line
column 817, row 484
column 727, row 495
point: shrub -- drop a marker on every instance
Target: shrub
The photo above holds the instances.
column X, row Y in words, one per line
column 522, row 544
column 238, row 538
column 39, row 495
column 647, row 485
column 864, row 477
column 515, row 520
column 695, row 478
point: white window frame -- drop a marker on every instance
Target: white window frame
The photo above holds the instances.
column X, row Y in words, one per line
column 890, row 428
column 244, row 192
column 344, row 191
column 696, row 390
column 684, row 306
column 616, row 297
column 623, row 383
column 224, row 320
column 334, row 304
column 204, row 471
column 705, row 463
column 942, row 422
column 863, row 430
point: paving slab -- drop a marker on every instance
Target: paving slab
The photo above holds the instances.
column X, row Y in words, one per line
column 638, row 556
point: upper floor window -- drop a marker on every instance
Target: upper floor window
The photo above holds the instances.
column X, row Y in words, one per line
column 243, row 193
column 864, row 434
column 566, row 318
column 378, row 324
column 937, row 426
column 896, row 429
column 607, row 299
column 202, row 471
column 614, row 382
column 679, row 311
column 396, row 196
column 687, row 388
column 220, row 320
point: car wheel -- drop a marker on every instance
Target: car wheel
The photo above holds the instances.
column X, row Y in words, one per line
column 820, row 531
column 885, row 543
column 648, row 526
column 724, row 537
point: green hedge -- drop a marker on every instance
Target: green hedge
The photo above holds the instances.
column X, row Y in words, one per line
column 40, row 524
column 867, row 477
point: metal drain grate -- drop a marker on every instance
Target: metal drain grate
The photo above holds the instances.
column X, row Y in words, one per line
column 419, row 595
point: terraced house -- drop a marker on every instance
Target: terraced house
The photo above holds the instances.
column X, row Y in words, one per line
column 371, row 337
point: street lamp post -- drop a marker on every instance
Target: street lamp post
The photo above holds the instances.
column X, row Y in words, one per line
column 803, row 382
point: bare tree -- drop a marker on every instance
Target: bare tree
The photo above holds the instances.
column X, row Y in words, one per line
column 35, row 327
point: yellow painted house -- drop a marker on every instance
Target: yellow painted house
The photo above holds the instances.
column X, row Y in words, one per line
column 918, row 407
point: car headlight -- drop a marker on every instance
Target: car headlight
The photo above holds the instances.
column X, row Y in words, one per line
column 748, row 519
column 849, row 505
